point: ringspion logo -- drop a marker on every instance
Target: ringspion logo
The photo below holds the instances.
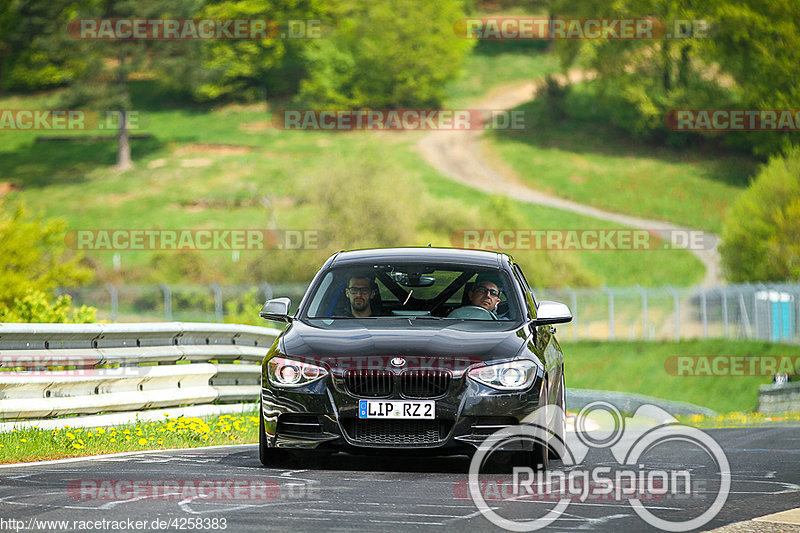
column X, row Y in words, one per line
column 639, row 478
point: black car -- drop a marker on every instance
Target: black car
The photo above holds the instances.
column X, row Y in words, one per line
column 410, row 348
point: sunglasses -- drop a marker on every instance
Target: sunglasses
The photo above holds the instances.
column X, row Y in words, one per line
column 358, row 290
column 487, row 290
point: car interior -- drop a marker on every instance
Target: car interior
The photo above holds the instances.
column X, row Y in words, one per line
column 410, row 291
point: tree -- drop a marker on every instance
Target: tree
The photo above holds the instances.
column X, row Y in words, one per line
column 758, row 43
column 760, row 236
column 639, row 80
column 386, row 55
column 255, row 69
column 30, row 57
column 107, row 65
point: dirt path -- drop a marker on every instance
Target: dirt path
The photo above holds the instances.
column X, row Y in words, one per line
column 458, row 155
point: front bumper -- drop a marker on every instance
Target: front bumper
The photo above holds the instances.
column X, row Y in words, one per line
column 324, row 415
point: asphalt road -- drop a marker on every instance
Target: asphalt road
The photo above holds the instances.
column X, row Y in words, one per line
column 375, row 493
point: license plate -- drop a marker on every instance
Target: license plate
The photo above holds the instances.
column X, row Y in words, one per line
column 425, row 409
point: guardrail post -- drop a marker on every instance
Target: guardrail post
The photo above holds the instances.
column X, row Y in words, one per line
column 266, row 288
column 704, row 312
column 573, row 301
column 724, row 311
column 167, row 300
column 677, row 305
column 217, row 301
column 114, row 295
column 643, row 292
column 610, row 313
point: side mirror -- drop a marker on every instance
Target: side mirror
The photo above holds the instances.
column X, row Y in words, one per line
column 276, row 309
column 552, row 313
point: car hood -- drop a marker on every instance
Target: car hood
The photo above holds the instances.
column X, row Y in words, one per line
column 402, row 337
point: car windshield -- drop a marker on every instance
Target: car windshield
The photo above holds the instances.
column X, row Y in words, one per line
column 421, row 291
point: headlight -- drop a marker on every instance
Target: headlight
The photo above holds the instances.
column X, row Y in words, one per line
column 516, row 375
column 288, row 373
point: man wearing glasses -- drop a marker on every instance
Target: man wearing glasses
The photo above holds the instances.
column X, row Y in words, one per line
column 485, row 292
column 360, row 292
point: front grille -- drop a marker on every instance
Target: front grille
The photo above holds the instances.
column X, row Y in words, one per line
column 299, row 425
column 397, row 432
column 424, row 383
column 368, row 383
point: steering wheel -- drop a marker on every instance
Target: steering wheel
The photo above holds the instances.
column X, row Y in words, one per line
column 472, row 312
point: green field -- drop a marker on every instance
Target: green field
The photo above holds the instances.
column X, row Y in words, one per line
column 228, row 167
column 639, row 367
column 595, row 163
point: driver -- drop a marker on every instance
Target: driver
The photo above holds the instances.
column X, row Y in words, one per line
column 485, row 292
column 360, row 291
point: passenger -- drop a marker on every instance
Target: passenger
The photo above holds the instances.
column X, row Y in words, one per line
column 485, row 292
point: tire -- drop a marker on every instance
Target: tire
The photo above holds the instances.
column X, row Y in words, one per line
column 269, row 456
column 539, row 457
column 561, row 431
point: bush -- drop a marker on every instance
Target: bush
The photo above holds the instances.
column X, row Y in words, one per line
column 34, row 306
column 760, row 236
column 33, row 256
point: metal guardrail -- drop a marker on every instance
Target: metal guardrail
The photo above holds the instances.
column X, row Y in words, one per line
column 51, row 370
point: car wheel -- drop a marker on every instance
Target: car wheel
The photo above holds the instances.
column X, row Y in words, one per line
column 268, row 456
column 539, row 457
column 561, row 429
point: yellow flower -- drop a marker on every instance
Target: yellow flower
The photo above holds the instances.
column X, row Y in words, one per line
column 127, row 438
column 77, row 446
column 23, row 440
column 127, row 432
column 112, row 439
column 101, row 431
column 70, row 436
column 142, row 442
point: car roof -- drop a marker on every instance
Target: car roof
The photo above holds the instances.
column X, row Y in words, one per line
column 453, row 256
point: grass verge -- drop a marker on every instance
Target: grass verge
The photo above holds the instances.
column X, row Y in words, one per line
column 639, row 367
column 34, row 444
column 738, row 420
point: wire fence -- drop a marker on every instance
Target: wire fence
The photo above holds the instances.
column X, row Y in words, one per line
column 748, row 311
